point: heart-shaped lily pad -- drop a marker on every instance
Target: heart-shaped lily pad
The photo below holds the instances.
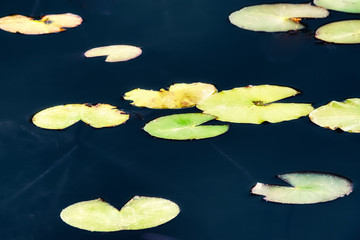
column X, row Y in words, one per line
column 180, row 95
column 344, row 115
column 63, row 116
column 346, row 32
column 47, row 24
column 139, row 213
column 253, row 104
column 307, row 188
column 184, row 127
column 115, row 53
column 350, row 6
column 280, row 17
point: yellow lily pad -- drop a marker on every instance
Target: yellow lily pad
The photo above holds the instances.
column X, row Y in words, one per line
column 279, row 17
column 343, row 115
column 253, row 104
column 180, row 95
column 47, row 24
column 63, row 116
column 139, row 213
column 115, row 53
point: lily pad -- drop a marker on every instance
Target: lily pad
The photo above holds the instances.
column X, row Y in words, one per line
column 344, row 115
column 184, row 127
column 349, row 6
column 307, row 188
column 47, row 24
column 180, row 95
column 139, row 213
column 63, row 116
column 115, row 53
column 253, row 104
column 280, row 17
column 346, row 32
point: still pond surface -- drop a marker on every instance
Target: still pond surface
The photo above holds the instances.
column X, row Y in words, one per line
column 44, row 171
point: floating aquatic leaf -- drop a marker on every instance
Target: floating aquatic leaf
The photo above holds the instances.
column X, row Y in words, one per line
column 180, row 95
column 138, row 213
column 350, row 6
column 307, row 188
column 346, row 32
column 280, row 17
column 344, row 115
column 115, row 53
column 63, row 116
column 47, row 24
column 184, row 127
column 252, row 104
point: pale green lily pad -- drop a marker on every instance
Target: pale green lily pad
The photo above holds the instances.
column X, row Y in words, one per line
column 307, row 188
column 184, row 127
column 63, row 116
column 344, row 115
column 280, row 17
column 350, row 6
column 138, row 213
column 253, row 104
column 346, row 32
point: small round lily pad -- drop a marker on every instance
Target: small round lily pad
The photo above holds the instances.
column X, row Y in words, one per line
column 115, row 53
column 184, row 127
column 345, row 32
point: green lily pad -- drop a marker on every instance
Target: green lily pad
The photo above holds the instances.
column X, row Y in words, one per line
column 252, row 104
column 63, row 116
column 184, row 127
column 307, row 188
column 180, row 95
column 138, row 213
column 280, row 17
column 346, row 32
column 349, row 6
column 344, row 115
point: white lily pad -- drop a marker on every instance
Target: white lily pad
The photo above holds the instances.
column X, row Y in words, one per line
column 346, row 32
column 343, row 115
column 307, row 188
column 115, row 53
column 138, row 213
column 63, row 116
column 350, row 6
column 184, row 127
column 280, row 17
column 253, row 104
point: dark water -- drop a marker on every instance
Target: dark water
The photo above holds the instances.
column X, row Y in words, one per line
column 44, row 171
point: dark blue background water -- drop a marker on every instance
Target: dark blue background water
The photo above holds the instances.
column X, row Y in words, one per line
column 44, row 171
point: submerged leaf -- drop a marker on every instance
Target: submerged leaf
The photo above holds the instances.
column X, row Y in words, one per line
column 180, row 95
column 184, row 127
column 346, row 32
column 47, row 24
column 252, row 104
column 115, row 53
column 344, row 115
column 350, row 6
column 280, row 17
column 138, row 213
column 63, row 116
column 307, row 188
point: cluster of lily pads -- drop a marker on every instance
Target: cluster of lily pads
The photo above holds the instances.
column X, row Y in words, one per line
column 281, row 17
column 250, row 104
